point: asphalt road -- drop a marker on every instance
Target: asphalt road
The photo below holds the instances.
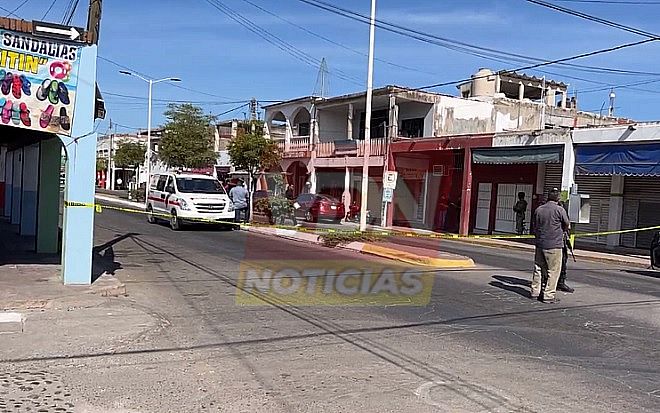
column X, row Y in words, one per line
column 478, row 345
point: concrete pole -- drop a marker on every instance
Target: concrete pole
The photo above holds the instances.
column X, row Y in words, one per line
column 367, row 121
column 521, row 91
column 349, row 124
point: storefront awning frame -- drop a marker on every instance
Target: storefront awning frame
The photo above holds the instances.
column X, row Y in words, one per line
column 518, row 155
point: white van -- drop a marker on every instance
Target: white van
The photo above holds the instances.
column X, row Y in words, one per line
column 193, row 198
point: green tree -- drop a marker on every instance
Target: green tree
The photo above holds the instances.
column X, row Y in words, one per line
column 188, row 137
column 253, row 153
column 129, row 154
column 101, row 164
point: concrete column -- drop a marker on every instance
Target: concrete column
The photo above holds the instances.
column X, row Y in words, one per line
column 347, row 189
column 540, row 178
column 466, row 198
column 17, row 181
column 550, row 97
column 78, row 226
column 48, row 214
column 568, row 173
column 288, row 134
column 313, row 139
column 349, row 124
column 9, row 176
column 393, row 119
column 30, row 190
column 521, row 91
column 616, row 210
column 498, row 84
column 563, row 99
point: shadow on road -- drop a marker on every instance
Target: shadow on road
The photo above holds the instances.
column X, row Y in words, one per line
column 513, row 284
column 647, row 273
column 103, row 258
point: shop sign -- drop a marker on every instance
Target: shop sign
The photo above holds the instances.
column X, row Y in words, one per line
column 410, row 173
column 38, row 82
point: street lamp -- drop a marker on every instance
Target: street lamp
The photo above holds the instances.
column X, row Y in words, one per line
column 367, row 122
column 151, row 83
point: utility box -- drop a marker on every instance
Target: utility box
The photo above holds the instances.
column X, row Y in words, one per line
column 579, row 208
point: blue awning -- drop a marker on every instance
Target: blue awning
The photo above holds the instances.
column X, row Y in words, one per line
column 618, row 159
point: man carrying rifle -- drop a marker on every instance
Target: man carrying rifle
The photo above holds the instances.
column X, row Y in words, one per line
column 568, row 247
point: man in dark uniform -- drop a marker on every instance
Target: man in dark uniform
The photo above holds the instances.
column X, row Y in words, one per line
column 561, row 284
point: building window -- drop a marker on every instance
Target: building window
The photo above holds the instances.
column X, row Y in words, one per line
column 303, row 129
column 379, row 124
column 412, row 128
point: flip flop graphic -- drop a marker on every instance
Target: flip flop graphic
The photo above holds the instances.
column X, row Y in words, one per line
column 53, row 97
column 65, row 121
column 6, row 83
column 16, row 87
column 25, row 115
column 16, row 113
column 46, row 116
column 42, row 92
column 6, row 111
column 26, row 85
column 63, row 93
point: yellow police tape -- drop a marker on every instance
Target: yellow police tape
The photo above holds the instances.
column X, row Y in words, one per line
column 99, row 209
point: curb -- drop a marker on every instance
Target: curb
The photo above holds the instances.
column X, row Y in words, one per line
column 373, row 249
column 579, row 255
column 120, row 201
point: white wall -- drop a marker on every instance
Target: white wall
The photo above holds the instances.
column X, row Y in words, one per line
column 333, row 125
column 641, row 133
column 412, row 110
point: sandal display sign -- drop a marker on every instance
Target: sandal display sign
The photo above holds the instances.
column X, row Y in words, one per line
column 38, row 81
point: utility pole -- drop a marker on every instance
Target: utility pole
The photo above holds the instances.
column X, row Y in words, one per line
column 543, row 105
column 94, row 20
column 610, row 112
column 367, row 121
column 109, row 181
column 253, row 109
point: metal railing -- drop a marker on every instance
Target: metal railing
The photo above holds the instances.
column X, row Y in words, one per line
column 328, row 150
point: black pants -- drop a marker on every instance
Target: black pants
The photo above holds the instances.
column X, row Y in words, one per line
column 564, row 262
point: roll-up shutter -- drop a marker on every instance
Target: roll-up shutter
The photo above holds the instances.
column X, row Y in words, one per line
column 553, row 175
column 640, row 209
column 598, row 189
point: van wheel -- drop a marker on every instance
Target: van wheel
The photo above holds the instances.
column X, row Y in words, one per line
column 150, row 215
column 175, row 222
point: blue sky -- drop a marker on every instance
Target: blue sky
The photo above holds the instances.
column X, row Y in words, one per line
column 214, row 55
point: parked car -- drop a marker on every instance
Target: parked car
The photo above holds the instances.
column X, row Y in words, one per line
column 188, row 198
column 314, row 207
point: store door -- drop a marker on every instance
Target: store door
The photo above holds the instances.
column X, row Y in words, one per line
column 507, row 196
column 483, row 206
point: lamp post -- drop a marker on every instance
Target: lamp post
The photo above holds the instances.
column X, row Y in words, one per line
column 151, row 83
column 367, row 121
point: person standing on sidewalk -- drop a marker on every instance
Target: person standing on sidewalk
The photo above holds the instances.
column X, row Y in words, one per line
column 561, row 285
column 239, row 196
column 291, row 211
column 520, row 208
column 551, row 222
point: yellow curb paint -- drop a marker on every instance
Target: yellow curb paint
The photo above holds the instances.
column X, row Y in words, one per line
column 411, row 258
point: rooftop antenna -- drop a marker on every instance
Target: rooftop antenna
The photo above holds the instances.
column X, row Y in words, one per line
column 322, row 87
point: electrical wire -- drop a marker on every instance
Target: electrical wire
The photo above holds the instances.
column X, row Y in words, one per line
column 621, row 2
column 174, row 101
column 49, row 9
column 276, row 41
column 231, row 110
column 459, row 46
column 13, row 12
column 72, row 13
column 338, row 44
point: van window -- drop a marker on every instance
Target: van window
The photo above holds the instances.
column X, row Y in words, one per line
column 199, row 186
column 160, row 186
column 154, row 181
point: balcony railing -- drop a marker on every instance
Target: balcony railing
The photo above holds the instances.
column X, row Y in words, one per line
column 329, row 150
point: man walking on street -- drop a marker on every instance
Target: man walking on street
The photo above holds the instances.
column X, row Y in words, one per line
column 551, row 222
column 239, row 196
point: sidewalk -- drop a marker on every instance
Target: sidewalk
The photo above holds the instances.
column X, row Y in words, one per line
column 591, row 254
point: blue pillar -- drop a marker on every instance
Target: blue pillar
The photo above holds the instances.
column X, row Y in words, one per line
column 30, row 187
column 17, row 179
column 78, row 226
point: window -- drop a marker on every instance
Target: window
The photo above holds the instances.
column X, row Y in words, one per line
column 199, row 186
column 412, row 128
column 303, row 129
column 162, row 180
column 379, row 123
column 169, row 187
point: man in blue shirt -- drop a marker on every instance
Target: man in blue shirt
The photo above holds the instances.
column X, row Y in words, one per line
column 239, row 196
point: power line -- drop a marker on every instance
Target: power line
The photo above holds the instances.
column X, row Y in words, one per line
column 174, row 101
column 622, row 2
column 72, row 13
column 595, row 19
column 326, row 39
column 67, row 8
column 276, row 41
column 49, row 9
column 13, row 12
column 232, row 110
column 458, row 46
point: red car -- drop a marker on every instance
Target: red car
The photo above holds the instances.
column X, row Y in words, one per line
column 317, row 207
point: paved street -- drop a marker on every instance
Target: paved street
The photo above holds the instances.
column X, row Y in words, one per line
column 480, row 345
